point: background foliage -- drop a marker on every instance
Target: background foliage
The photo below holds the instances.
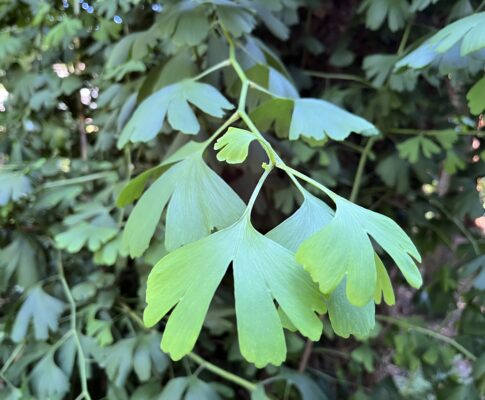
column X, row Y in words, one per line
column 71, row 299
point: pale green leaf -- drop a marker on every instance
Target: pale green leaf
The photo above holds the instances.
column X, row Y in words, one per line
column 458, row 39
column 40, row 309
column 264, row 272
column 312, row 216
column 343, row 248
column 91, row 234
column 233, row 146
column 383, row 285
column 411, row 149
column 198, row 201
column 317, row 119
column 173, row 102
column 63, row 32
column 346, row 318
column 13, row 187
column 22, row 258
column 48, row 380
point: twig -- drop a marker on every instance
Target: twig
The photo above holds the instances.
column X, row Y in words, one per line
column 222, row 372
column 428, row 332
column 360, row 169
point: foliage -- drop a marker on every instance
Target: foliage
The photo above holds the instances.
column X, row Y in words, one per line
column 289, row 157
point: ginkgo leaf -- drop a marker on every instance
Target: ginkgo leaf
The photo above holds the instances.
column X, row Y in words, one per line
column 235, row 18
column 48, row 380
column 23, row 258
column 173, row 102
column 311, row 118
column 411, row 148
column 13, row 187
column 198, row 201
column 134, row 189
column 186, row 22
column 396, row 12
column 140, row 354
column 63, row 32
column 233, row 146
column 346, row 318
column 458, row 39
column 315, row 118
column 312, row 216
column 188, row 388
column 383, row 285
column 343, row 248
column 476, row 97
column 40, row 309
column 264, row 272
column 92, row 234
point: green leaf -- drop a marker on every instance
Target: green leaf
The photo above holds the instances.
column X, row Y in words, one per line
column 383, row 285
column 188, row 388
column 378, row 67
column 346, row 318
column 453, row 163
column 343, row 248
column 317, row 119
column 92, row 234
column 13, row 187
column 40, row 309
column 411, row 148
column 187, row 23
column 235, row 18
column 311, row 118
column 23, row 258
column 198, row 201
column 466, row 34
column 173, row 102
column 476, row 97
column 63, row 33
column 48, row 380
column 233, row 146
column 117, row 360
column 396, row 12
column 9, row 47
column 311, row 217
column 264, row 272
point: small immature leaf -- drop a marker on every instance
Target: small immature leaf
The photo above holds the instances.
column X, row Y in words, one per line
column 233, row 146
column 44, row 312
column 63, row 32
column 198, row 201
column 343, row 248
column 263, row 272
